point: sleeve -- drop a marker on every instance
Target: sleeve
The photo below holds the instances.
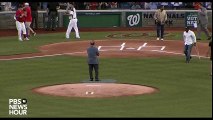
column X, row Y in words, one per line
column 193, row 37
column 203, row 12
column 155, row 15
column 184, row 38
column 97, row 52
column 165, row 16
column 68, row 5
column 14, row 17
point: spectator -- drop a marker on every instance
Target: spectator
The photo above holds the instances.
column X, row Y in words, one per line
column 136, row 6
column 103, row 5
column 93, row 5
column 125, row 5
column 80, row 6
column 44, row 5
column 146, row 5
column 113, row 5
column 153, row 5
column 165, row 4
column 34, row 8
column 208, row 5
column 176, row 5
column 7, row 6
column 86, row 4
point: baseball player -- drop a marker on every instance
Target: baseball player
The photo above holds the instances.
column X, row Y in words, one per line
column 202, row 21
column 73, row 21
column 28, row 19
column 189, row 41
column 92, row 60
column 20, row 17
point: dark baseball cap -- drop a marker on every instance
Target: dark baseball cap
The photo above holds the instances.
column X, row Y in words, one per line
column 187, row 27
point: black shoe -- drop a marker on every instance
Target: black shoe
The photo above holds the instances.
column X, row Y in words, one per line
column 47, row 29
column 96, row 79
column 91, row 79
column 198, row 39
column 209, row 38
column 53, row 29
column 190, row 57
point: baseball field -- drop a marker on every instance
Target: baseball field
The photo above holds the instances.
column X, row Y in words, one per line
column 128, row 57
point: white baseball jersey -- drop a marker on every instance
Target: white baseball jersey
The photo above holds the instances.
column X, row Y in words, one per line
column 189, row 37
column 72, row 24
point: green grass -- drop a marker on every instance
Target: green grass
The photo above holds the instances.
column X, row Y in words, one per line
column 185, row 89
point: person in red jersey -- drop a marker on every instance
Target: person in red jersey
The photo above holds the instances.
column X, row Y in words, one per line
column 20, row 17
column 28, row 19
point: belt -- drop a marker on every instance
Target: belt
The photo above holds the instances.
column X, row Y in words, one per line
column 74, row 18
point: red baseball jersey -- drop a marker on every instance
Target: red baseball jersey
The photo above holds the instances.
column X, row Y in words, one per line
column 19, row 13
column 29, row 15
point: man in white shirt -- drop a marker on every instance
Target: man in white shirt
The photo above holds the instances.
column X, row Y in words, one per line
column 73, row 21
column 189, row 41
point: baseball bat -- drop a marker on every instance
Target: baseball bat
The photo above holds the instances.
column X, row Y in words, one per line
column 196, row 49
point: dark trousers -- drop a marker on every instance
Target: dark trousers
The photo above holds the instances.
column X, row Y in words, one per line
column 160, row 30
column 34, row 19
column 187, row 52
column 91, row 67
column 52, row 20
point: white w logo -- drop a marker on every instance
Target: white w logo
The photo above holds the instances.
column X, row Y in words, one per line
column 133, row 19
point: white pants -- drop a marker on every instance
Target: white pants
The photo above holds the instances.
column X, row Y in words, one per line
column 21, row 28
column 72, row 24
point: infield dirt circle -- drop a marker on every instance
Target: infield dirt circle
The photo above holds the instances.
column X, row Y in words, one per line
column 95, row 90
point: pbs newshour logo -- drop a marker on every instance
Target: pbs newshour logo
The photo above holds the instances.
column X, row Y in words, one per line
column 18, row 106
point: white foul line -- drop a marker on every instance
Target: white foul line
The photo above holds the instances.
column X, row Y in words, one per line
column 176, row 53
column 42, row 56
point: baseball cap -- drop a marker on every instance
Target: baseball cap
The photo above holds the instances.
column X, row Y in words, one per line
column 26, row 4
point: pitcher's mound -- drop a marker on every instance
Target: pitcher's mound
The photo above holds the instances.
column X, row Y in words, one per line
column 93, row 90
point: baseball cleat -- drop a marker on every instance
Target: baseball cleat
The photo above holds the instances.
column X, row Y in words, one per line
column 20, row 39
column 161, row 39
column 26, row 38
column 158, row 39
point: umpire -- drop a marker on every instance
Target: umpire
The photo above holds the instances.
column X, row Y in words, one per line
column 92, row 60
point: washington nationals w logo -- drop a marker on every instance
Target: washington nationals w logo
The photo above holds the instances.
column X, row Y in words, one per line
column 133, row 19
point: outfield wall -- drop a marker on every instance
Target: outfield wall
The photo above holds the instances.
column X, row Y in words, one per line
column 111, row 18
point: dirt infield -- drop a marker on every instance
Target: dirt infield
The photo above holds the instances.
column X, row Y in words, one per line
column 95, row 90
column 114, row 49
